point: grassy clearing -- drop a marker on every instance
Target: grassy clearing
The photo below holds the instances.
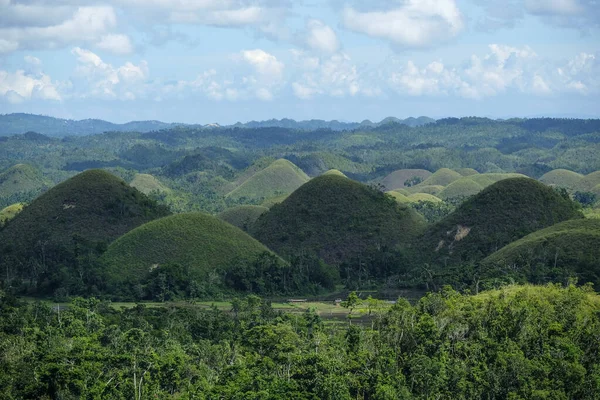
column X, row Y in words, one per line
column 147, row 184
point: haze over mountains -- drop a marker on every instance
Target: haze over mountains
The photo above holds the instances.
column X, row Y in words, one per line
column 18, row 123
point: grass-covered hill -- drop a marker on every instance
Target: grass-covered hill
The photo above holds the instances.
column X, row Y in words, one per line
column 562, row 178
column 589, row 182
column 470, row 185
column 147, row 184
column 397, row 179
column 198, row 242
column 279, row 178
column 8, row 213
column 416, row 197
column 429, row 189
column 500, row 214
column 243, row 217
column 441, row 177
column 21, row 178
column 461, row 188
column 92, row 208
column 567, row 249
column 467, row 171
column 335, row 172
column 336, row 218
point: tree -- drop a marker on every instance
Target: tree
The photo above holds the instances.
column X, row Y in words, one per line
column 351, row 302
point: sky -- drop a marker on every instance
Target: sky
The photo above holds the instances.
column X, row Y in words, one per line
column 223, row 61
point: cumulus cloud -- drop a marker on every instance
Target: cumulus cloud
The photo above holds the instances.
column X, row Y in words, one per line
column 582, row 15
column 503, row 69
column 43, row 25
column 19, row 86
column 267, row 75
column 115, row 43
column 408, row 23
column 105, row 81
column 264, row 16
column 257, row 75
column 321, row 37
column 335, row 75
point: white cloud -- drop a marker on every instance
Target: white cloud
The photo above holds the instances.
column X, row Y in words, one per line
column 264, row 16
column 8, row 46
column 105, row 81
column 321, row 37
column 115, row 43
column 581, row 15
column 503, row 69
column 39, row 24
column 264, row 63
column 19, row 86
column 581, row 74
column 553, row 7
column 335, row 76
column 409, row 23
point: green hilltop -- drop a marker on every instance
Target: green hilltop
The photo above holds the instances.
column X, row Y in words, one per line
column 588, row 182
column 88, row 210
column 279, row 178
column 467, row 171
column 147, row 184
column 200, row 243
column 470, row 185
column 441, row 177
column 22, row 179
column 429, row 189
column 562, row 178
column 397, row 179
column 416, row 197
column 8, row 213
column 336, row 218
column 243, row 217
column 335, row 172
column 461, row 188
column 570, row 248
column 500, row 214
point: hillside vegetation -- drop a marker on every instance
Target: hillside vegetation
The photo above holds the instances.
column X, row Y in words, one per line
column 398, row 179
column 441, row 177
column 76, row 217
column 147, row 184
column 203, row 246
column 280, row 178
column 564, row 250
column 500, row 214
column 21, row 182
column 8, row 213
column 562, row 178
column 243, row 217
column 336, row 218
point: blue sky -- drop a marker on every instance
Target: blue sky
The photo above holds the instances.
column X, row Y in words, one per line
column 202, row 61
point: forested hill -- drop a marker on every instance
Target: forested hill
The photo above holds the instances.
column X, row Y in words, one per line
column 14, row 124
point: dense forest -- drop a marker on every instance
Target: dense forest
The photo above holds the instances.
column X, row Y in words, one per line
column 415, row 258
column 515, row 343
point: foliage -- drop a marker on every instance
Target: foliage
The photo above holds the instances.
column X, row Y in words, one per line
column 500, row 214
column 336, row 218
column 515, row 343
column 555, row 254
column 243, row 217
column 47, row 242
column 205, row 246
column 280, row 178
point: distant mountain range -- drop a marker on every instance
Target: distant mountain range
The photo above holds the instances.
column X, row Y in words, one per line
column 13, row 124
